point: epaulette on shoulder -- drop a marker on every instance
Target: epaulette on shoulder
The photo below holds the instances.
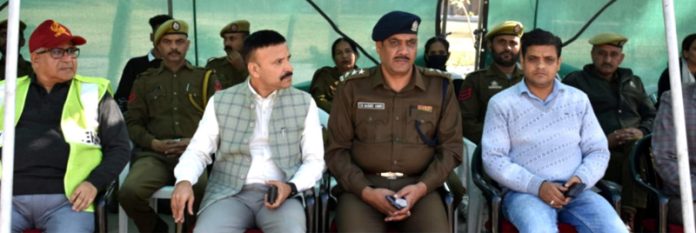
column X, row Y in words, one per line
column 477, row 72
column 354, row 74
column 213, row 60
column 436, row 73
column 149, row 71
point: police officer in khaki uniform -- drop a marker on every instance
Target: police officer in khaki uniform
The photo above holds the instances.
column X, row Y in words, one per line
column 478, row 87
column 394, row 131
column 164, row 108
column 23, row 66
column 623, row 109
column 231, row 69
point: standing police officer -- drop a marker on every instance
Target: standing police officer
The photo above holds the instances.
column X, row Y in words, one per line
column 394, row 131
column 231, row 69
column 479, row 86
column 137, row 65
column 163, row 113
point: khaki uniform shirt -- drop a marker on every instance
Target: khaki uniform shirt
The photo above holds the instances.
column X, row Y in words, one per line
column 226, row 74
column 160, row 105
column 324, row 85
column 373, row 129
column 476, row 90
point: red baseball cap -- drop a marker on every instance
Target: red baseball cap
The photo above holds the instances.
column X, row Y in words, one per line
column 50, row 34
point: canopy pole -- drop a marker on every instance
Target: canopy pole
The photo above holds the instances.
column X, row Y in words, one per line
column 678, row 114
column 8, row 135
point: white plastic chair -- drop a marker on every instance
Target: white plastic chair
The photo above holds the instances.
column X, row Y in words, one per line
column 163, row 193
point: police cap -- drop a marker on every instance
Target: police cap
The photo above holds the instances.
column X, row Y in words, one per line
column 609, row 38
column 234, row 27
column 395, row 22
column 172, row 26
column 509, row 27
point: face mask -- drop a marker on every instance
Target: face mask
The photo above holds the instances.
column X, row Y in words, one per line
column 436, row 62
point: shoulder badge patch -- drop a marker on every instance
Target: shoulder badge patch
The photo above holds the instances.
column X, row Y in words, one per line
column 494, row 85
column 465, row 94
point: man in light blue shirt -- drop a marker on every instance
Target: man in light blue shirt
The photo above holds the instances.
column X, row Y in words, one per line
column 540, row 137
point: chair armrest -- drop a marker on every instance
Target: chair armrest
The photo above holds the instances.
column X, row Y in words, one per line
column 612, row 192
column 308, row 200
column 450, row 206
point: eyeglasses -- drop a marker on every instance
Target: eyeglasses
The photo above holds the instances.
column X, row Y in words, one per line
column 58, row 53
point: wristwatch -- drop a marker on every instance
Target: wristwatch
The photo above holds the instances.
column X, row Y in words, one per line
column 293, row 188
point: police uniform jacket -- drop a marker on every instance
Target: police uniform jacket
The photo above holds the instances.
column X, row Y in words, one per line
column 226, row 74
column 476, row 90
column 161, row 104
column 373, row 129
column 323, row 86
column 619, row 103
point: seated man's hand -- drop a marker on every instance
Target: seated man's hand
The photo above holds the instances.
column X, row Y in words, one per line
column 284, row 191
column 83, row 196
column 182, row 197
column 573, row 180
column 412, row 193
column 552, row 194
column 377, row 198
column 623, row 136
column 170, row 147
column 631, row 134
column 178, row 146
column 614, row 139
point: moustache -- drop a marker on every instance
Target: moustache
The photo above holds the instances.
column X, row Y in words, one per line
column 228, row 49
column 174, row 52
column 402, row 57
column 286, row 75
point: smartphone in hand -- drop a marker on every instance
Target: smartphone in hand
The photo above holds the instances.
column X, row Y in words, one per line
column 575, row 190
column 398, row 203
column 272, row 194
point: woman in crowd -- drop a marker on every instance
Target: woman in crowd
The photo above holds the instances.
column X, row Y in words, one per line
column 325, row 80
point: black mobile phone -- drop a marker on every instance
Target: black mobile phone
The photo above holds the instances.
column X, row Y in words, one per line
column 398, row 203
column 272, row 194
column 575, row 190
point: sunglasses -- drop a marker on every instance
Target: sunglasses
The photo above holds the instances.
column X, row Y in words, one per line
column 58, row 53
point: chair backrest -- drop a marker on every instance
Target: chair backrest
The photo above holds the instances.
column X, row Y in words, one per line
column 642, row 164
column 643, row 172
column 488, row 186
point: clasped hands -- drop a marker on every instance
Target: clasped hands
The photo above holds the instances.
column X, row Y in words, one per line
column 376, row 197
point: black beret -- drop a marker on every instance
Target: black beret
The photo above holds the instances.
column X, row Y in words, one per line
column 395, row 22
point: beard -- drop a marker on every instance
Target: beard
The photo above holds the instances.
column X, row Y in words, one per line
column 499, row 59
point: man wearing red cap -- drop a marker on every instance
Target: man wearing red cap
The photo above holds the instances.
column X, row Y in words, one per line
column 71, row 139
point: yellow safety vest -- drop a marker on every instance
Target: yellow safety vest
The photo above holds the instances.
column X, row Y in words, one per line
column 79, row 124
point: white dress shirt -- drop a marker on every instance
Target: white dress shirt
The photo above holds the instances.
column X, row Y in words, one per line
column 206, row 139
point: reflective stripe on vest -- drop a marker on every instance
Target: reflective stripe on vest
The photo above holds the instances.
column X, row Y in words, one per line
column 89, row 98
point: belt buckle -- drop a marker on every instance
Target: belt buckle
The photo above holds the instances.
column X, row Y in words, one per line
column 391, row 175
